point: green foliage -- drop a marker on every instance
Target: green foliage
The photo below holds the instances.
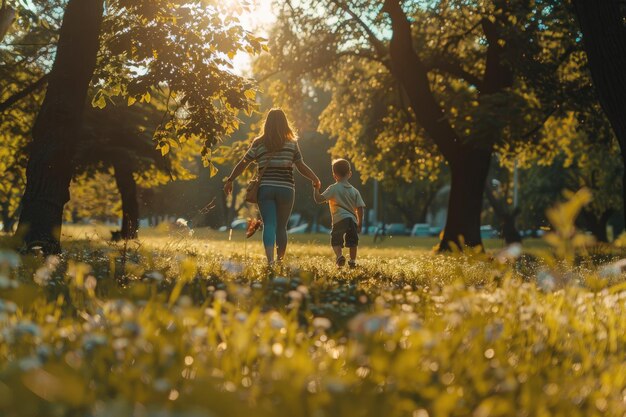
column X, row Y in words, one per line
column 341, row 48
column 185, row 50
column 565, row 239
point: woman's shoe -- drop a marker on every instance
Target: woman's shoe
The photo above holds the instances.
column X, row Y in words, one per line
column 352, row 264
column 253, row 226
column 341, row 261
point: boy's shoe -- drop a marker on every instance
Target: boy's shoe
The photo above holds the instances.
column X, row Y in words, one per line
column 352, row 264
column 253, row 226
column 341, row 261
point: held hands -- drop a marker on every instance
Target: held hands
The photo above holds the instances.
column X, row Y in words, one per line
column 317, row 184
column 228, row 187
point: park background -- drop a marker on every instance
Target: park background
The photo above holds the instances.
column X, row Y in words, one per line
column 539, row 133
column 121, row 110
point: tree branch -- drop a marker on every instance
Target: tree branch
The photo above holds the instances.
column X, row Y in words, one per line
column 378, row 45
column 410, row 71
column 23, row 93
column 497, row 75
column 536, row 129
column 455, row 69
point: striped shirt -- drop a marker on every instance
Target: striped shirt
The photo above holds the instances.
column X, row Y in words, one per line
column 279, row 172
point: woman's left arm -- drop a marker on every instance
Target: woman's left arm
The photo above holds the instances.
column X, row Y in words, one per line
column 237, row 171
column 308, row 173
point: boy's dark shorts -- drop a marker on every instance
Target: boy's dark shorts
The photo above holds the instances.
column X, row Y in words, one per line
column 344, row 232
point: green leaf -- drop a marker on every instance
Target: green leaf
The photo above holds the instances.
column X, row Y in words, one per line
column 250, row 94
column 213, row 170
column 99, row 101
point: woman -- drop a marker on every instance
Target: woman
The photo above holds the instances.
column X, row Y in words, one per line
column 277, row 148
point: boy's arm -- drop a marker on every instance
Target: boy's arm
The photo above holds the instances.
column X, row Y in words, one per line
column 359, row 219
column 319, row 198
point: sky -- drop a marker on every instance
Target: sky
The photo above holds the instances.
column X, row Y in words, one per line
column 257, row 20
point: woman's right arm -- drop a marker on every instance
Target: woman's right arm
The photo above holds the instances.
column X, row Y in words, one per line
column 237, row 171
column 308, row 173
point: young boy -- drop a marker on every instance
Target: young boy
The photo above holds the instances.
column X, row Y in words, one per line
column 346, row 209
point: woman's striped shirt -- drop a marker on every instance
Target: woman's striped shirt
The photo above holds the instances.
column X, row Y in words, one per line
column 280, row 164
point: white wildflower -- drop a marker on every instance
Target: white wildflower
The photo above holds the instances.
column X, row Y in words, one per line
column 613, row 269
column 232, row 267
column 155, row 276
column 321, row 323
column 276, row 320
column 546, row 281
column 510, row 253
column 9, row 259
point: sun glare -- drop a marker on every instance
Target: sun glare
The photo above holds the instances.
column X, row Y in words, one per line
column 258, row 18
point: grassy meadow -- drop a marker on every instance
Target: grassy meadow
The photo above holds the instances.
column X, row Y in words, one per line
column 179, row 325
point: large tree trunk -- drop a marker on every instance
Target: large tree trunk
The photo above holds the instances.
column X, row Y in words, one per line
column 604, row 39
column 506, row 217
column 597, row 225
column 7, row 219
column 469, row 175
column 7, row 15
column 469, row 164
column 56, row 129
column 130, row 207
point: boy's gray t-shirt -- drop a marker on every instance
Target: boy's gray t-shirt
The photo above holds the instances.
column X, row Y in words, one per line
column 342, row 196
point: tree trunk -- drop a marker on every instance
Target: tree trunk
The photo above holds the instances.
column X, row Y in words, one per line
column 469, row 175
column 130, row 207
column 7, row 220
column 506, row 217
column 597, row 225
column 469, row 164
column 7, row 15
column 604, row 39
column 55, row 132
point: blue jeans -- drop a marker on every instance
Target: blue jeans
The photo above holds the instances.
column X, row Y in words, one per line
column 275, row 204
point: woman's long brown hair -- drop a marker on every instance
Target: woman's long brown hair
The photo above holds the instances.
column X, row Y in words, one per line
column 276, row 131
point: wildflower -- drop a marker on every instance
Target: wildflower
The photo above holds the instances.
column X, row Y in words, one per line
column 91, row 341
column 335, row 386
column 295, row 296
column 220, row 295
column 29, row 363
column 232, row 267
column 44, row 274
column 7, row 306
column 277, row 321
column 91, row 282
column 9, row 259
column 241, row 316
column 27, row 327
column 277, row 349
column 6, row 283
column 613, row 269
column 184, row 301
column 43, row 352
column 280, row 280
column 321, row 323
column 161, row 385
column 155, row 276
column 546, row 281
column 510, row 253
